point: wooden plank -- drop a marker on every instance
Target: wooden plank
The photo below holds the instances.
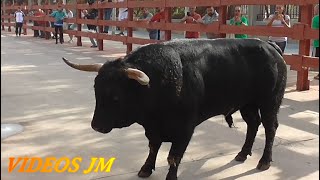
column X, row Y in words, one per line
column 147, row 4
column 141, row 41
column 262, row 2
column 310, row 62
column 191, row 3
column 107, row 23
column 293, row 59
column 257, row 30
column 112, row 37
column 310, row 33
column 192, row 27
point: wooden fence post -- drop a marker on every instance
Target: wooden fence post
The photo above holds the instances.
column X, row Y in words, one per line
column 129, row 29
column 222, row 18
column 100, row 28
column 9, row 20
column 25, row 22
column 79, row 42
column 3, row 10
column 168, row 19
column 304, row 49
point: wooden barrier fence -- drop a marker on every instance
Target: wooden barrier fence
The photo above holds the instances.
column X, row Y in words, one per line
column 301, row 31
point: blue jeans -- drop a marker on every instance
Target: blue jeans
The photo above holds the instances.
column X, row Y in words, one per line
column 153, row 34
column 107, row 16
column 282, row 45
column 93, row 41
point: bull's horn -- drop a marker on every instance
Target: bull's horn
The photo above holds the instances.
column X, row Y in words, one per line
column 84, row 67
column 138, row 75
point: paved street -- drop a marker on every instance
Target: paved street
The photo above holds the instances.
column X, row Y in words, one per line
column 55, row 103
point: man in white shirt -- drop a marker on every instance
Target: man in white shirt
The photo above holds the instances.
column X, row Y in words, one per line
column 19, row 15
column 279, row 19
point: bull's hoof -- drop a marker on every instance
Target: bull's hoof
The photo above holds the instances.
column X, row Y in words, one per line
column 145, row 171
column 240, row 158
column 262, row 166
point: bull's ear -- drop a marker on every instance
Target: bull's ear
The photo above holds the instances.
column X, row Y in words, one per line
column 138, row 75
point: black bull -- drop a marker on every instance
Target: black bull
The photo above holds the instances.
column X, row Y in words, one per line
column 169, row 88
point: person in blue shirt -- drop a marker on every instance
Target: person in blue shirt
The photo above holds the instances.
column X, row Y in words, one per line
column 59, row 15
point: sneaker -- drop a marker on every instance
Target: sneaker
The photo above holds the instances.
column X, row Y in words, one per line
column 70, row 41
column 316, row 77
column 93, row 46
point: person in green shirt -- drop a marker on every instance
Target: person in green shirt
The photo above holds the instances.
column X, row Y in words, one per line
column 315, row 25
column 59, row 16
column 239, row 20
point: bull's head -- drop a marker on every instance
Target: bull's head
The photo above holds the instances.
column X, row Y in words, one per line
column 117, row 91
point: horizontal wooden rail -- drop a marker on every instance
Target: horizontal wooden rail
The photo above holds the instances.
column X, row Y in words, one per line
column 297, row 32
column 169, row 3
column 299, row 62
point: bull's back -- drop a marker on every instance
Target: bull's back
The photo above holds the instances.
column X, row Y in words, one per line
column 231, row 73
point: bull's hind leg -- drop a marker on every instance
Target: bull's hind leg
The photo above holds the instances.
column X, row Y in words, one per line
column 251, row 116
column 270, row 123
column 149, row 165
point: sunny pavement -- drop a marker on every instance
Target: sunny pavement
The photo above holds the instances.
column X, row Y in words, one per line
column 55, row 103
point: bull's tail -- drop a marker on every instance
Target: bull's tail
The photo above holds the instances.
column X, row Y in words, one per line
column 273, row 44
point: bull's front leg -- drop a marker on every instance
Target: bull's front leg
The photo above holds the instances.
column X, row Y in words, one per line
column 149, row 165
column 175, row 155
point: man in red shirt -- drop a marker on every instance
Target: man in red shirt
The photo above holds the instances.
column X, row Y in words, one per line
column 157, row 18
column 192, row 17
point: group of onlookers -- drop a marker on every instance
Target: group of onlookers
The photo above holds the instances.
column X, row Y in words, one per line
column 278, row 19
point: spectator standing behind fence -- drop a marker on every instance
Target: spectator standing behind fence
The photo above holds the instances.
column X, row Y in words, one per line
column 59, row 15
column 19, row 15
column 50, row 11
column 192, row 17
column 239, row 20
column 211, row 17
column 146, row 16
column 36, row 22
column 279, row 19
column 159, row 16
column 71, row 26
column 107, row 16
column 123, row 16
column 91, row 14
column 42, row 23
column 315, row 25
